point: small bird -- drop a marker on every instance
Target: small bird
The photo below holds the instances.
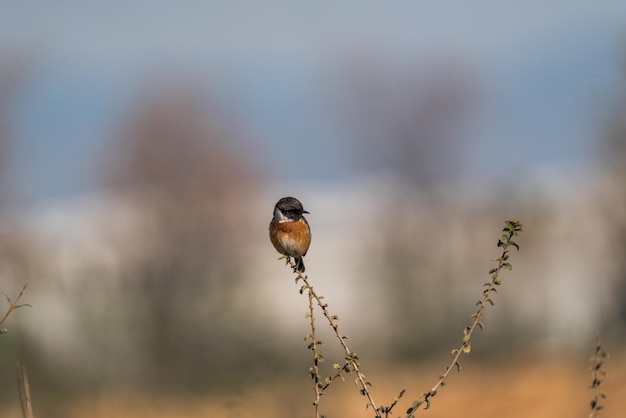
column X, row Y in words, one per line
column 289, row 230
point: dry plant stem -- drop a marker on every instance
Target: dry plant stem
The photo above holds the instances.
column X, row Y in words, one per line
column 13, row 305
column 350, row 356
column 315, row 370
column 340, row 369
column 599, row 374
column 23, row 388
column 505, row 243
column 387, row 409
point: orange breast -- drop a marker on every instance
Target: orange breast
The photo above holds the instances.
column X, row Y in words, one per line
column 291, row 238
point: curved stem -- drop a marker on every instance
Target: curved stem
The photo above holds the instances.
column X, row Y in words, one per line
column 351, row 357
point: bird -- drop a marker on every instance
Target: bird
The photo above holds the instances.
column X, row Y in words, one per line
column 290, row 232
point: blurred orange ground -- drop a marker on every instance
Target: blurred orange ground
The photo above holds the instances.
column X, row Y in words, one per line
column 529, row 387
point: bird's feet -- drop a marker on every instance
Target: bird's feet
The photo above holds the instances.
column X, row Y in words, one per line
column 286, row 257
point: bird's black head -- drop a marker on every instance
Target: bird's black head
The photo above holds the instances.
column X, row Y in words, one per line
column 288, row 208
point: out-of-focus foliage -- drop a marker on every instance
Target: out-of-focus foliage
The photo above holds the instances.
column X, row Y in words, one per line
column 150, row 283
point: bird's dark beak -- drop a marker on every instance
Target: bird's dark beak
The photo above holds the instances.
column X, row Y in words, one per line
column 305, row 211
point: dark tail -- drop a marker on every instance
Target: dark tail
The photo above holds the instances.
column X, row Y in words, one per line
column 299, row 264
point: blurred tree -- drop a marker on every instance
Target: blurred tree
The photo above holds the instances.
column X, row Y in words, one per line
column 15, row 263
column 407, row 120
column 614, row 201
column 176, row 164
column 13, row 72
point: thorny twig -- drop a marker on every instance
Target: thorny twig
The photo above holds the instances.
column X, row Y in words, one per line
column 351, row 357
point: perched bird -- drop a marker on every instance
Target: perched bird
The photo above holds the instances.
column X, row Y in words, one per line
column 289, row 230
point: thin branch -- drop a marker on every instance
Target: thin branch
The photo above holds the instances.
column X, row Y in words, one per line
column 340, row 369
column 387, row 409
column 23, row 388
column 599, row 374
column 13, row 305
column 314, row 370
column 505, row 242
column 351, row 357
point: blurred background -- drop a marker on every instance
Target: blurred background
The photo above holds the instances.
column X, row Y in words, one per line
column 143, row 146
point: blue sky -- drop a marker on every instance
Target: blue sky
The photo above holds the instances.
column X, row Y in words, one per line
column 547, row 71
